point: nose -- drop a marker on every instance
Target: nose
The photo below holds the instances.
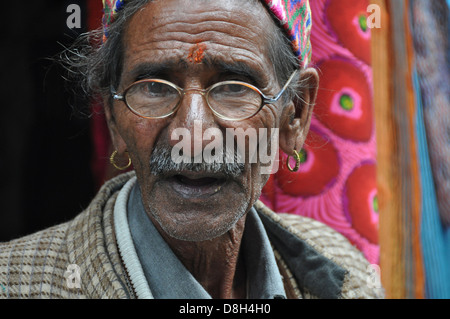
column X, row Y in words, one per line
column 190, row 122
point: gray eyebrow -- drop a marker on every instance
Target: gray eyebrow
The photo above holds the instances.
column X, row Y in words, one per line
column 237, row 67
column 149, row 70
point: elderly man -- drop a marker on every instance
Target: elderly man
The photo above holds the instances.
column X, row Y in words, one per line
column 177, row 72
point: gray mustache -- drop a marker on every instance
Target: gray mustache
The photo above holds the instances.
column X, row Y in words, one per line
column 161, row 163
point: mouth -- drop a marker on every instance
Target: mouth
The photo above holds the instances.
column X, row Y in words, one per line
column 196, row 184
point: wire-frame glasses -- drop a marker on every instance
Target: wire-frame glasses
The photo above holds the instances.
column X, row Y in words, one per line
column 228, row 100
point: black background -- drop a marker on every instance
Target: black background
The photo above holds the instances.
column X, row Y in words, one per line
column 45, row 150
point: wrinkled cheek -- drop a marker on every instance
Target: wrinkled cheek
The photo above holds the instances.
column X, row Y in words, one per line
column 140, row 136
column 255, row 183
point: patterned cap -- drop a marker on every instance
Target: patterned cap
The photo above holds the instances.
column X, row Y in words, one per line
column 295, row 17
column 110, row 9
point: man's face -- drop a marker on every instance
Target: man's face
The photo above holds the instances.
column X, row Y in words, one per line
column 194, row 44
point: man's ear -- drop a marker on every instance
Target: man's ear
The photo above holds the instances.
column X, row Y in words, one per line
column 297, row 115
column 118, row 143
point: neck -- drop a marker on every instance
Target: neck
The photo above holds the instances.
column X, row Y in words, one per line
column 216, row 263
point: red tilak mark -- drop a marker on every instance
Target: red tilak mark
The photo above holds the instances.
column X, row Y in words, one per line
column 197, row 53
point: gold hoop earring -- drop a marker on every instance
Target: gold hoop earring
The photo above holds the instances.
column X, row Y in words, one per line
column 112, row 160
column 297, row 162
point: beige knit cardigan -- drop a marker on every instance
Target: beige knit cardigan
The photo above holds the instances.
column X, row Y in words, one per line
column 34, row 266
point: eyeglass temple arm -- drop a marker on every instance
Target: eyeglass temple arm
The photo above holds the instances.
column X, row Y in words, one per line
column 277, row 97
column 114, row 94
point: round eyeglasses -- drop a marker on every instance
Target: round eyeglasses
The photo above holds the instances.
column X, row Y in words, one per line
column 228, row 100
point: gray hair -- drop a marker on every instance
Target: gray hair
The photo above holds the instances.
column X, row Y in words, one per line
column 96, row 67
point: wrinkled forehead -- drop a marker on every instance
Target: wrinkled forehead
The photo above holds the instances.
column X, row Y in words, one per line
column 176, row 33
column 185, row 19
column 294, row 18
